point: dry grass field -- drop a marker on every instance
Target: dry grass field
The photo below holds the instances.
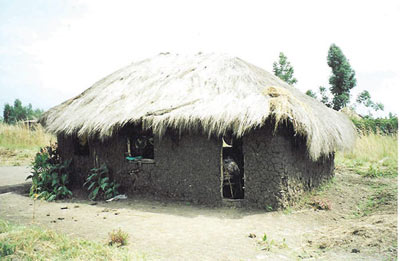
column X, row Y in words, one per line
column 373, row 155
column 19, row 144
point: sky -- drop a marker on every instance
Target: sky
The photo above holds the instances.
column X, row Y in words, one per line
column 51, row 50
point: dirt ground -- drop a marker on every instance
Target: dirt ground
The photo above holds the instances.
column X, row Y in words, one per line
column 353, row 229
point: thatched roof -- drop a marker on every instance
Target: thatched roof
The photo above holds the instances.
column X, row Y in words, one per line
column 212, row 92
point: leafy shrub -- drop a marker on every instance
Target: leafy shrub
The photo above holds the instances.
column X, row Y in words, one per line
column 386, row 126
column 99, row 184
column 118, row 237
column 50, row 175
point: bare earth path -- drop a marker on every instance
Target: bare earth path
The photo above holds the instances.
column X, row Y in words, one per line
column 13, row 175
column 12, row 178
column 179, row 231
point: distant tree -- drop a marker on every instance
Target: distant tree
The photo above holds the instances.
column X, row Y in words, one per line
column 324, row 96
column 37, row 113
column 18, row 112
column 284, row 70
column 311, row 94
column 364, row 98
column 8, row 114
column 342, row 79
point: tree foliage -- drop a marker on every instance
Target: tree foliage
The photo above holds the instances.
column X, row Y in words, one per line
column 311, row 94
column 324, row 96
column 284, row 70
column 342, row 79
column 383, row 126
column 18, row 112
column 364, row 98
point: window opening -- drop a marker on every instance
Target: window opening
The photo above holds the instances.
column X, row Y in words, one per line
column 232, row 168
column 81, row 145
column 140, row 145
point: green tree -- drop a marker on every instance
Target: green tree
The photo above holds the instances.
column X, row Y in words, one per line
column 8, row 114
column 284, row 70
column 342, row 79
column 324, row 96
column 18, row 112
column 311, row 94
column 364, row 98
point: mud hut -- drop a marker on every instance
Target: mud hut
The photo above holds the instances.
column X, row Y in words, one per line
column 173, row 126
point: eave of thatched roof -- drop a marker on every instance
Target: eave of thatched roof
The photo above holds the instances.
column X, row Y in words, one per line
column 214, row 92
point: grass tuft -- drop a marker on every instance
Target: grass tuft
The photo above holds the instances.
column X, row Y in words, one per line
column 118, row 238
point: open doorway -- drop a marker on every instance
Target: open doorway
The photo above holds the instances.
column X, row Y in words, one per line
column 232, row 168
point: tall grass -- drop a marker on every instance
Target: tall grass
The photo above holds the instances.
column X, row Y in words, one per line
column 373, row 155
column 19, row 144
column 21, row 137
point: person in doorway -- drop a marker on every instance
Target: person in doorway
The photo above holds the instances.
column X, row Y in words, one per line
column 232, row 177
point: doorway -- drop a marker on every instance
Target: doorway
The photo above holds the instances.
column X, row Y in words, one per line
column 232, row 168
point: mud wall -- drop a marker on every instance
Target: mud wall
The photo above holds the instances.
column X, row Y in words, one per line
column 188, row 168
column 184, row 168
column 278, row 169
column 80, row 164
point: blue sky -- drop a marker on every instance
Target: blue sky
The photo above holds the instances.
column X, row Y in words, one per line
column 21, row 24
column 51, row 51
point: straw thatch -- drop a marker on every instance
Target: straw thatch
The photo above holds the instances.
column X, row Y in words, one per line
column 212, row 92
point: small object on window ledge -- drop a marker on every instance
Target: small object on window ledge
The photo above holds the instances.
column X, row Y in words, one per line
column 134, row 158
column 140, row 160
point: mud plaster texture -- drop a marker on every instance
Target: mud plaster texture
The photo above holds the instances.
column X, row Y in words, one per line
column 277, row 169
column 185, row 167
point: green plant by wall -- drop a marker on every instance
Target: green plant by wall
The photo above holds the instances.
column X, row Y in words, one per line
column 99, row 184
column 50, row 175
